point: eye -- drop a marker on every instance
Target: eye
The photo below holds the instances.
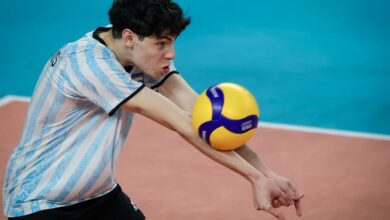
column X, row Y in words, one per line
column 161, row 44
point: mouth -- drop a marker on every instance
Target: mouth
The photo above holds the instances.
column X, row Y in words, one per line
column 165, row 70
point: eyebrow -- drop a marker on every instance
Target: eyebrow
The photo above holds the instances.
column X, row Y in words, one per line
column 166, row 37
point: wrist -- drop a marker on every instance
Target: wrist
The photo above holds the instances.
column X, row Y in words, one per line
column 269, row 174
column 256, row 177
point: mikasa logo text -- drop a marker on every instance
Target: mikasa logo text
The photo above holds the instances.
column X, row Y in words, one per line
column 246, row 125
column 204, row 135
column 214, row 93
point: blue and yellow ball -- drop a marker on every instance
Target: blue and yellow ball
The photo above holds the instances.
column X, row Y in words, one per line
column 225, row 116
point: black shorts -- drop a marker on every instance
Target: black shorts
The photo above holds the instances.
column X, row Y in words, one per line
column 115, row 205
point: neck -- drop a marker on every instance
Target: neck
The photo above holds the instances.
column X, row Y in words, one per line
column 115, row 46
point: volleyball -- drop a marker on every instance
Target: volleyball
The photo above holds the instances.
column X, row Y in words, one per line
column 225, row 116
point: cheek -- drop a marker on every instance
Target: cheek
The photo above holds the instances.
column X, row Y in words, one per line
column 150, row 59
column 140, row 58
column 147, row 62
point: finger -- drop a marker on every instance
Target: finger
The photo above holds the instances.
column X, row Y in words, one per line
column 285, row 199
column 276, row 213
column 287, row 202
column 276, row 203
column 291, row 193
column 297, row 196
column 298, row 207
column 292, row 187
column 264, row 204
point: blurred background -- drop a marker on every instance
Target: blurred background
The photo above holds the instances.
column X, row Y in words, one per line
column 313, row 63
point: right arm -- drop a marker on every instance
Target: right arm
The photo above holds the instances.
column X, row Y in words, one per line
column 160, row 109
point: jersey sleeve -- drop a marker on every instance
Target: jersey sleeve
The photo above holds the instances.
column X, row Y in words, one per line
column 100, row 78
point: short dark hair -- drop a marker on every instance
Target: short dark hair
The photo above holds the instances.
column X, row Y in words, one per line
column 147, row 17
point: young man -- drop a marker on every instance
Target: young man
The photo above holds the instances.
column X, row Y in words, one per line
column 81, row 111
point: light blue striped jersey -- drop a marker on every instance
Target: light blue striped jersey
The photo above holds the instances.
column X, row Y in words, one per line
column 74, row 129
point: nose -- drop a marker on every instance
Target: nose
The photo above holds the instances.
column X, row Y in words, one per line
column 171, row 53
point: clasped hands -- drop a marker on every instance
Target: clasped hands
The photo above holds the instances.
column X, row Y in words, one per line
column 273, row 191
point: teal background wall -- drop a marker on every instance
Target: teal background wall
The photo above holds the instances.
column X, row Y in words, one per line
column 314, row 63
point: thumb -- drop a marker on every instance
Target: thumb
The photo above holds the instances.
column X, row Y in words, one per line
column 264, row 203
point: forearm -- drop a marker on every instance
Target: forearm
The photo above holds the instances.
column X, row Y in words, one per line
column 229, row 159
column 252, row 157
column 242, row 161
column 165, row 112
column 176, row 89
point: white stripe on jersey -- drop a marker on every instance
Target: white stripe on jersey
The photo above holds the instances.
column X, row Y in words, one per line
column 70, row 144
column 24, row 162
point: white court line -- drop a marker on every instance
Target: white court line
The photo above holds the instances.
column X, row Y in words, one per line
column 10, row 98
column 308, row 129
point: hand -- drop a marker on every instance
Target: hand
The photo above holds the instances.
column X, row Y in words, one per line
column 285, row 186
column 264, row 192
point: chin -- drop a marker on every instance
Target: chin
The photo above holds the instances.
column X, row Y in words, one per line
column 154, row 75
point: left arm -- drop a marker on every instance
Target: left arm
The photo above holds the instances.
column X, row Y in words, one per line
column 249, row 155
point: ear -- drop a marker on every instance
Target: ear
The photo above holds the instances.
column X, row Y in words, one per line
column 129, row 37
